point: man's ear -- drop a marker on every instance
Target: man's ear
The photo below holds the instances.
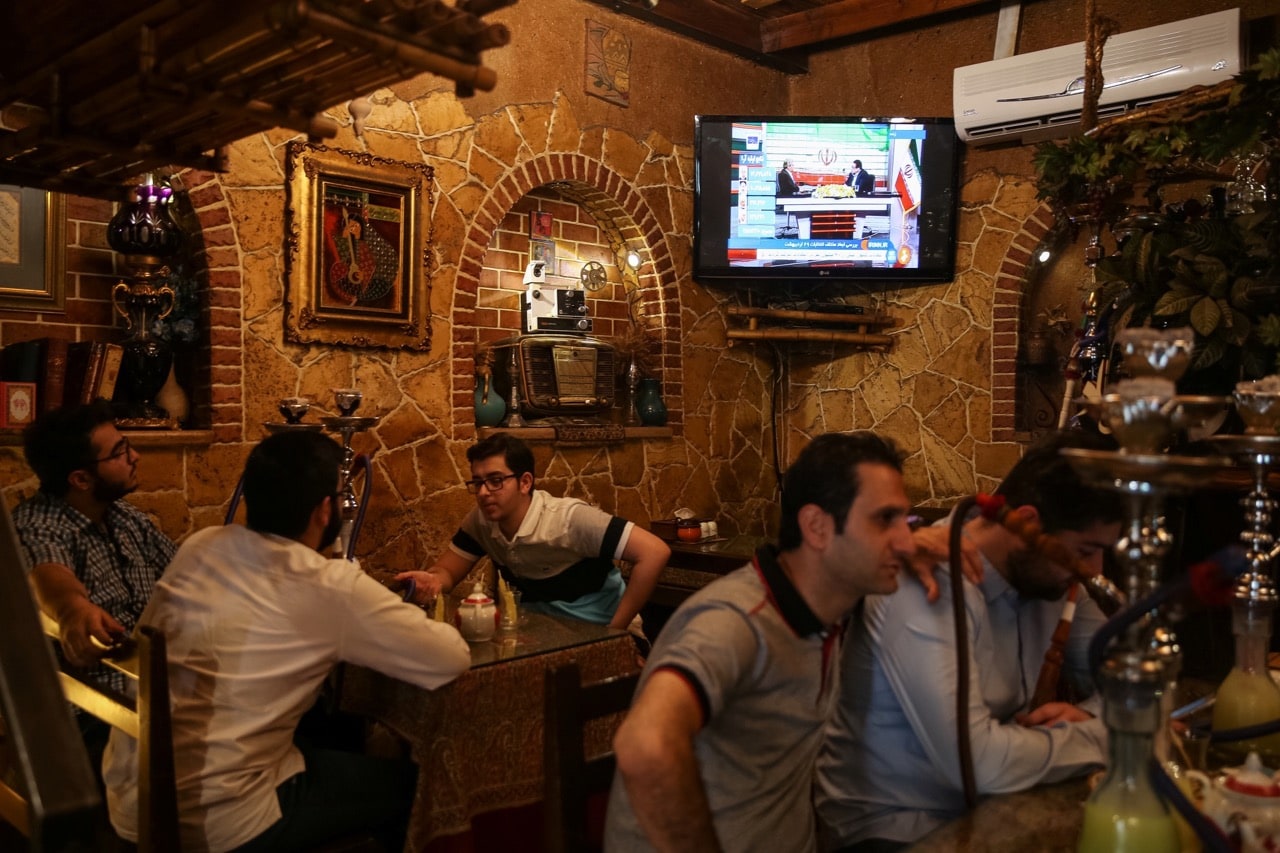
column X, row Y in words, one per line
column 80, row 480
column 816, row 526
column 526, row 482
column 322, row 513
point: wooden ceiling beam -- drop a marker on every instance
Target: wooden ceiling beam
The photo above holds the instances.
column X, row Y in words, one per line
column 716, row 25
column 847, row 18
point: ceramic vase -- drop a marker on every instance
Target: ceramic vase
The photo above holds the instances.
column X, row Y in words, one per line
column 173, row 399
column 490, row 407
column 649, row 405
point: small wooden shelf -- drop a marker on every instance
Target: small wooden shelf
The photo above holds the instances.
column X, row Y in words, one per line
column 138, row 437
column 549, row 433
column 860, row 329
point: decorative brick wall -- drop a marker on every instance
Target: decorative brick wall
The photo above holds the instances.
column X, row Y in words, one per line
column 1005, row 325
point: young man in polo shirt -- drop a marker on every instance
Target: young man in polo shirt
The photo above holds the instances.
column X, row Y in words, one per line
column 559, row 552
column 718, row 750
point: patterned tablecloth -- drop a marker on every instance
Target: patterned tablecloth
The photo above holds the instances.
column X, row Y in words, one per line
column 478, row 740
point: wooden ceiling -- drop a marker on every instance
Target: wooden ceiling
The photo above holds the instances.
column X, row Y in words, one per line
column 93, row 94
column 781, row 33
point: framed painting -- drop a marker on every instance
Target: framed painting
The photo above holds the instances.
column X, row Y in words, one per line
column 540, row 225
column 357, row 245
column 33, row 249
column 545, row 251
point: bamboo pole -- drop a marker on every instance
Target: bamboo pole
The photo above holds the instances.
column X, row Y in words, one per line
column 812, row 316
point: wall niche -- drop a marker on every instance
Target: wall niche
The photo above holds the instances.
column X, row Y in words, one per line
column 574, row 227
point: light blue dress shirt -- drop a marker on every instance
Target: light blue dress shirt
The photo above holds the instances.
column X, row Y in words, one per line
column 890, row 765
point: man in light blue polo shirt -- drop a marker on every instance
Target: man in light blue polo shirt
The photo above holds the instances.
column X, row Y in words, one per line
column 890, row 772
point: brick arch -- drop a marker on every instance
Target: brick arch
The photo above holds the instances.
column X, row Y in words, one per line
column 622, row 213
column 220, row 373
column 1010, row 289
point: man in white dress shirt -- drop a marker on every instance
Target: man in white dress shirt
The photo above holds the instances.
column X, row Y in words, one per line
column 255, row 619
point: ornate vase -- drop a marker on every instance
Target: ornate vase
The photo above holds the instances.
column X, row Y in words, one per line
column 145, row 233
column 490, row 407
column 649, row 405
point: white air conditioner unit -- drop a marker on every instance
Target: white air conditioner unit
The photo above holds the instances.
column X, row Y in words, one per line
column 1039, row 95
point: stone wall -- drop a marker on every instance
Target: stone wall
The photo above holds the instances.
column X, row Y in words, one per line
column 944, row 390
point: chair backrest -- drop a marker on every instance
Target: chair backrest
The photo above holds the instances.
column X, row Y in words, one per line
column 569, row 777
column 49, row 794
column 148, row 720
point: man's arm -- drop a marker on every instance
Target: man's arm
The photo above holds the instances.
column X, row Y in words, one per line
column 654, row 748
column 440, row 578
column 648, row 556
column 62, row 596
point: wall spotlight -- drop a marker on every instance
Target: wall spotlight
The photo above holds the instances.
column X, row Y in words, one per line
column 633, row 259
column 1044, row 256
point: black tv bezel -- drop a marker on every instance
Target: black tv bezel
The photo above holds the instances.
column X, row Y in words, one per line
column 938, row 214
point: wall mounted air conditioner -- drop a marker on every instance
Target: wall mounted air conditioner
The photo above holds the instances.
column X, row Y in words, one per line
column 1038, row 95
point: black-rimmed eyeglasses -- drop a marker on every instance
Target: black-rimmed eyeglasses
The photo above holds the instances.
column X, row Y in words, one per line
column 122, row 448
column 494, row 483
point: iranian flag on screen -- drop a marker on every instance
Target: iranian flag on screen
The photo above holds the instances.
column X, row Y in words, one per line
column 907, row 182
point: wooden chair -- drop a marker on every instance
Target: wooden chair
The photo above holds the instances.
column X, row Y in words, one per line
column 55, row 800
column 146, row 719
column 570, row 778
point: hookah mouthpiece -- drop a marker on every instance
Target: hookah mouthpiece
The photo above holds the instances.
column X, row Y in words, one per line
column 1105, row 594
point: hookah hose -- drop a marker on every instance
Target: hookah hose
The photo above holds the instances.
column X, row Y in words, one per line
column 962, row 651
column 360, row 463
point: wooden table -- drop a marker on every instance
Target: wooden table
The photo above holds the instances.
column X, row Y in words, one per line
column 1046, row 819
column 478, row 740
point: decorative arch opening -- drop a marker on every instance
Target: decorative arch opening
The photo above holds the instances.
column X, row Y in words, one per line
column 626, row 220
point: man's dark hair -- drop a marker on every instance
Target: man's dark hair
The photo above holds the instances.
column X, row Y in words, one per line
column 858, row 163
column 59, row 442
column 826, row 474
column 1045, row 478
column 514, row 452
column 286, row 477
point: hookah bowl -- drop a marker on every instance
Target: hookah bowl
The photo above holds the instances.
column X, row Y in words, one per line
column 293, row 409
column 1156, row 352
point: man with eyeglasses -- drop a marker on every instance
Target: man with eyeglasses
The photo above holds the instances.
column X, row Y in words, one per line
column 94, row 558
column 559, row 552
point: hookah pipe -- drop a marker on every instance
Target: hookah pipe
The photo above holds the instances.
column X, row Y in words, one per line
column 1108, row 597
column 1084, row 364
column 1105, row 593
column 1210, row 581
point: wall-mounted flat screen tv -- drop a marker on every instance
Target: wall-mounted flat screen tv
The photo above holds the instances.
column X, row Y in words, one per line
column 825, row 198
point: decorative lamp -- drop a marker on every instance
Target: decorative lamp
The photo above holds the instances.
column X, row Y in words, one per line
column 145, row 233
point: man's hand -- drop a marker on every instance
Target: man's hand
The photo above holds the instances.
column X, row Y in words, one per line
column 932, row 548
column 82, row 622
column 428, row 585
column 1052, row 713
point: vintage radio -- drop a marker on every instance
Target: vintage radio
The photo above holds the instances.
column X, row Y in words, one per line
column 557, row 375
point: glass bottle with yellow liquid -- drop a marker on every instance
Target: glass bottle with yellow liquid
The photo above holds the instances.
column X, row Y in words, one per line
column 1124, row 814
column 1249, row 695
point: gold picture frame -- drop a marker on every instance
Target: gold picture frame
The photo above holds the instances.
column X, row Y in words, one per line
column 357, row 249
column 33, row 249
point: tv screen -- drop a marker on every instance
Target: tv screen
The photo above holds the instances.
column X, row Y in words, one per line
column 825, row 198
